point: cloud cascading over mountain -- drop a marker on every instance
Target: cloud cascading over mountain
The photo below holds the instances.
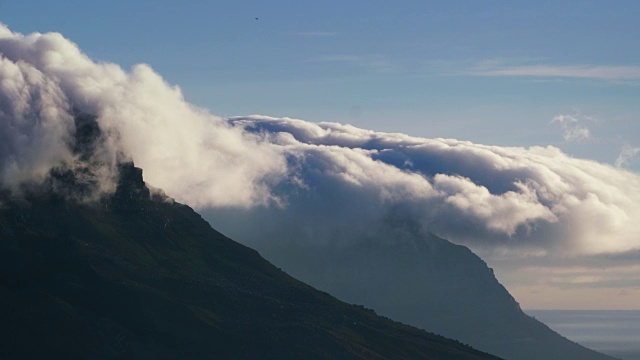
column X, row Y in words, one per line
column 513, row 196
column 323, row 179
column 196, row 157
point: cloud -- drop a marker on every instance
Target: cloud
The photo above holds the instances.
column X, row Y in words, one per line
column 376, row 62
column 573, row 130
column 627, row 155
column 34, row 123
column 316, row 33
column 471, row 193
column 521, row 209
column 196, row 157
column 572, row 71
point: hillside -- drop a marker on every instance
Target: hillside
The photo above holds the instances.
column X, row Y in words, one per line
column 428, row 282
column 140, row 276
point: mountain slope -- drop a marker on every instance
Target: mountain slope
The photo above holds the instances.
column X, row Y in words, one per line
column 138, row 276
column 428, row 282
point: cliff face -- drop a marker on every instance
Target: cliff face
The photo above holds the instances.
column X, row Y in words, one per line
column 428, row 282
column 140, row 276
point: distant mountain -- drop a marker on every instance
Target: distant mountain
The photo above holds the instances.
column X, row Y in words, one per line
column 428, row 282
column 138, row 276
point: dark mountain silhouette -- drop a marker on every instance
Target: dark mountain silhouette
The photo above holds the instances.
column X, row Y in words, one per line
column 135, row 275
column 423, row 280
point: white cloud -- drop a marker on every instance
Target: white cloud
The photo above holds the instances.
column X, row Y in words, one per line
column 472, row 193
column 577, row 134
column 627, row 155
column 573, row 128
column 572, row 71
column 196, row 157
column 375, row 62
column 316, row 33
column 503, row 212
column 520, row 208
column 34, row 125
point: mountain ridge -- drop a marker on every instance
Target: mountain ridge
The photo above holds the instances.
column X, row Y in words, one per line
column 136, row 275
column 407, row 273
column 433, row 284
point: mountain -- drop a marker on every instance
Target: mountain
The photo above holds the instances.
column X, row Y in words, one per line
column 136, row 275
column 420, row 279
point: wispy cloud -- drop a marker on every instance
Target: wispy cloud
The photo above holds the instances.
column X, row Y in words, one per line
column 627, row 155
column 316, row 33
column 344, row 58
column 376, row 62
column 569, row 71
column 572, row 127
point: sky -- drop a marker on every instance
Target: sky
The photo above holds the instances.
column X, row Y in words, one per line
column 481, row 90
column 493, row 72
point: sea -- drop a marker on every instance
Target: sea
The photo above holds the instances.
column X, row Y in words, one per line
column 612, row 332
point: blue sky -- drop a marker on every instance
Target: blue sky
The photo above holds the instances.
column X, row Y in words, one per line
column 494, row 72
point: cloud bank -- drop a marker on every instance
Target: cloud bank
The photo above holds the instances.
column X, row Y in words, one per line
column 308, row 183
column 537, row 198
